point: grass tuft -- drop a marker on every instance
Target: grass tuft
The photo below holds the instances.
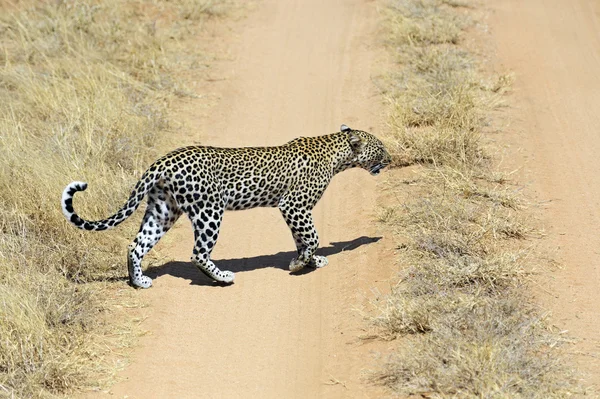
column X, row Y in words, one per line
column 460, row 307
column 85, row 88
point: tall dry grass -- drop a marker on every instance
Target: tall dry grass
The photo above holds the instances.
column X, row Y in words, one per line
column 85, row 87
column 460, row 307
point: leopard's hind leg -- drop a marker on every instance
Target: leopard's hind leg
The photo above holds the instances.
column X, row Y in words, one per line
column 206, row 222
column 162, row 212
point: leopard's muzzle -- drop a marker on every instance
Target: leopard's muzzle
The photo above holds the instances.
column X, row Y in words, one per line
column 375, row 169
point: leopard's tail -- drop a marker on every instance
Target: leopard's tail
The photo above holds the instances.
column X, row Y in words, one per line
column 143, row 186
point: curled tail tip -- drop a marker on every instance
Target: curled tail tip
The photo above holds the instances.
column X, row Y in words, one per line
column 72, row 188
column 67, row 201
column 77, row 186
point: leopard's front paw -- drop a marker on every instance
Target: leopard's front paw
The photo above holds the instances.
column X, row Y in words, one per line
column 225, row 276
column 142, row 282
column 296, row 265
column 318, row 261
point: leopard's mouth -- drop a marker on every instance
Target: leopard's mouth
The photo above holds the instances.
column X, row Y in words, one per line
column 377, row 168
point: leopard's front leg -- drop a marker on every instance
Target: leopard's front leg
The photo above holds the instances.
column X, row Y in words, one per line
column 300, row 222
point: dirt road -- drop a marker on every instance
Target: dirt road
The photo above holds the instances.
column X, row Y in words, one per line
column 554, row 49
column 295, row 68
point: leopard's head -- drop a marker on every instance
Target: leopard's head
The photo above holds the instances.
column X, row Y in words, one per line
column 368, row 151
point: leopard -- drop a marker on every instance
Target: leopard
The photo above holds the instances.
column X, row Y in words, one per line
column 203, row 182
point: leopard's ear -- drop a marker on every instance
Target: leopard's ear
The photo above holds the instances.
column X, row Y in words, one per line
column 356, row 142
column 345, row 128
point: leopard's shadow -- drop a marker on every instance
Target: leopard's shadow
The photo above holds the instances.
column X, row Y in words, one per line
column 279, row 260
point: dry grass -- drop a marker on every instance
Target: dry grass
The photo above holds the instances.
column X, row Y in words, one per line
column 438, row 98
column 84, row 88
column 460, row 305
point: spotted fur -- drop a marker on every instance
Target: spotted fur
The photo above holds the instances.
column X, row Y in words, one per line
column 203, row 182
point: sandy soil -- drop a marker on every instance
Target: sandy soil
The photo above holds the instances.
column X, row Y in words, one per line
column 554, row 49
column 293, row 68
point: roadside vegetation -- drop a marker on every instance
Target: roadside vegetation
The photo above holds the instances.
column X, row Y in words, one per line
column 465, row 323
column 85, row 88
